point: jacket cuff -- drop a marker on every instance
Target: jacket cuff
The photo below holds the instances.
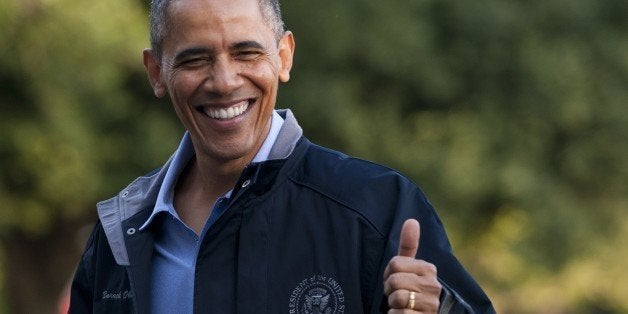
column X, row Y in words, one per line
column 451, row 302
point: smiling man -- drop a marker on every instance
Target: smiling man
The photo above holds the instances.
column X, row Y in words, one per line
column 248, row 216
column 221, row 64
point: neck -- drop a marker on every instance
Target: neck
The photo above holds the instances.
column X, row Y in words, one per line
column 203, row 181
column 198, row 189
column 214, row 178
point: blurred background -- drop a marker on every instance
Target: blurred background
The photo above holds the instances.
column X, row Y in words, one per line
column 511, row 115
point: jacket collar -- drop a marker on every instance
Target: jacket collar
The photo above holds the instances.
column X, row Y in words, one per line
column 141, row 194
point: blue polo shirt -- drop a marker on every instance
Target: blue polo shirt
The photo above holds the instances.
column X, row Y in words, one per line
column 176, row 245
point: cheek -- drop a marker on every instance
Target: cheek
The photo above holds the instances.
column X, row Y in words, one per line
column 267, row 83
column 182, row 84
column 265, row 78
column 181, row 87
column 264, row 74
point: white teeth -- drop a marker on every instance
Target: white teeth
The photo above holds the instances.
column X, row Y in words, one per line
column 227, row 113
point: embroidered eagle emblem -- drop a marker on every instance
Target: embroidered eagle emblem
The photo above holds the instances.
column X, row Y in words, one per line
column 316, row 301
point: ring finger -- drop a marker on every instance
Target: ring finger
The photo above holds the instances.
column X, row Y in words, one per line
column 403, row 299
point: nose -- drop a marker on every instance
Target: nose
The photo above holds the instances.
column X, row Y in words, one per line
column 224, row 77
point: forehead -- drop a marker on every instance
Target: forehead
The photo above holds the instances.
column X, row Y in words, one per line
column 214, row 24
column 181, row 12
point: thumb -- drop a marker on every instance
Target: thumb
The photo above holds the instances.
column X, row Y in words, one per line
column 409, row 238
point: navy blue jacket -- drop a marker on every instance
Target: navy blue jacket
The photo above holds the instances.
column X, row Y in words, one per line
column 310, row 233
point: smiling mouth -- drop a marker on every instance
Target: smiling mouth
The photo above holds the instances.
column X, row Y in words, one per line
column 227, row 113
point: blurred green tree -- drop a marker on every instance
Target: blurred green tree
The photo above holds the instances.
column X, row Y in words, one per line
column 513, row 116
column 77, row 122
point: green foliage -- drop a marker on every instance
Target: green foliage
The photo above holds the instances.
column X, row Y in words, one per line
column 512, row 115
column 73, row 123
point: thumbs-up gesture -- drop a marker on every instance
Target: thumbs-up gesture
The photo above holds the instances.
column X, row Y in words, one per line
column 410, row 284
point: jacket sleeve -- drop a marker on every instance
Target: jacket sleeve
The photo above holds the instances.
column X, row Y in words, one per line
column 460, row 293
column 81, row 293
column 452, row 303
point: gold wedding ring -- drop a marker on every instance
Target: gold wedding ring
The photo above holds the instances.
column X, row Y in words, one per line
column 411, row 300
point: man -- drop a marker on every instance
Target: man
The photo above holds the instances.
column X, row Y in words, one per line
column 248, row 216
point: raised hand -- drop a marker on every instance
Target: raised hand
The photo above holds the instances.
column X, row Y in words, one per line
column 411, row 284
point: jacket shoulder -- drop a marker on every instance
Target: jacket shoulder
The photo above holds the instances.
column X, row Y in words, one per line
column 324, row 164
column 373, row 190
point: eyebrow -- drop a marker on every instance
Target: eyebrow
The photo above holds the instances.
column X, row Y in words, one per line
column 247, row 44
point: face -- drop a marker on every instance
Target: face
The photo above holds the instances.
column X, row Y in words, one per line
column 221, row 65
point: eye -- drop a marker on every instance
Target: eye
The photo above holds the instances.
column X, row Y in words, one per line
column 247, row 55
column 193, row 62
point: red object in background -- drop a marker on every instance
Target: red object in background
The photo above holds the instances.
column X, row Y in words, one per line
column 63, row 305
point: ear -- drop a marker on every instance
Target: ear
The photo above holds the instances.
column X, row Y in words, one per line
column 153, row 69
column 286, row 55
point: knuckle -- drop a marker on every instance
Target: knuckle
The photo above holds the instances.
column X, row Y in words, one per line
column 395, row 264
column 432, row 269
column 432, row 287
column 429, row 268
column 387, row 289
column 395, row 280
column 434, row 305
column 437, row 286
column 396, row 300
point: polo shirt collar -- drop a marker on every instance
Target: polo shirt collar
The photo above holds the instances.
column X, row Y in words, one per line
column 183, row 155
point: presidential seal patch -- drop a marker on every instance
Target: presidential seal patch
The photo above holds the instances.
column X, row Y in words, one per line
column 317, row 294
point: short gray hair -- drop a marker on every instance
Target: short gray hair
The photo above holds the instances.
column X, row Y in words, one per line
column 160, row 21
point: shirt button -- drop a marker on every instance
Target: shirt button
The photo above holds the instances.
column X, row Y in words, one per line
column 246, row 183
column 130, row 231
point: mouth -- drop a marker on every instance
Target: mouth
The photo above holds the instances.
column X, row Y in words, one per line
column 226, row 113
